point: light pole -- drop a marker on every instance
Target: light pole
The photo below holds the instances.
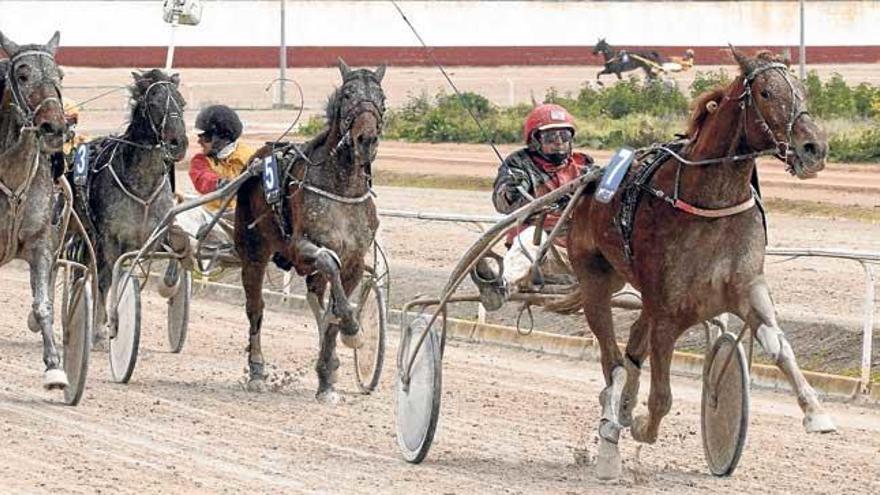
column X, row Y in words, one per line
column 803, row 50
column 282, row 59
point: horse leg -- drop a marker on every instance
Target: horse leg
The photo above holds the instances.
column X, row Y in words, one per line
column 43, row 287
column 327, row 363
column 636, row 350
column 327, row 262
column 252, row 272
column 105, row 263
column 645, row 428
column 762, row 318
column 597, row 290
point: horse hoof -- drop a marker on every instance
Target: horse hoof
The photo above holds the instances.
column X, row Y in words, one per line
column 168, row 291
column 608, row 461
column 55, row 379
column 99, row 338
column 819, row 423
column 639, row 430
column 329, row 397
column 355, row 341
column 33, row 325
column 257, row 385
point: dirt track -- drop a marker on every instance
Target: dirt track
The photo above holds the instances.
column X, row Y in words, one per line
column 512, row 422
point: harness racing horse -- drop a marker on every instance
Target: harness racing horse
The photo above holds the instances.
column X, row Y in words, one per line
column 693, row 245
column 323, row 224
column 617, row 62
column 31, row 130
column 128, row 191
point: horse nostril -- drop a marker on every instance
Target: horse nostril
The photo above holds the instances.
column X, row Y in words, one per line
column 811, row 149
column 46, row 129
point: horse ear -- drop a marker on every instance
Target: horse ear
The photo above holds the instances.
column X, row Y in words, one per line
column 175, row 79
column 741, row 59
column 8, row 45
column 52, row 45
column 534, row 100
column 343, row 68
column 380, row 72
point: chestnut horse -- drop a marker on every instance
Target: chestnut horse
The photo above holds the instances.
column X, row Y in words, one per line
column 324, row 222
column 691, row 239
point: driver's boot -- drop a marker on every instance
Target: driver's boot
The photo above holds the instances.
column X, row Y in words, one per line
column 493, row 289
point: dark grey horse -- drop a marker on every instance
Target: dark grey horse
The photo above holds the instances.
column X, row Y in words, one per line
column 617, row 62
column 129, row 190
column 31, row 130
column 324, row 223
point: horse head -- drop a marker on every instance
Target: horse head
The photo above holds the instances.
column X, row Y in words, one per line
column 157, row 111
column 775, row 117
column 602, row 46
column 359, row 106
column 34, row 87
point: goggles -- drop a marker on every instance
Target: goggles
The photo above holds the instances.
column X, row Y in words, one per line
column 555, row 136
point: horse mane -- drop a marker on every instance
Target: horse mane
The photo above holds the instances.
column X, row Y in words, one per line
column 702, row 104
column 137, row 91
column 701, row 111
column 149, row 77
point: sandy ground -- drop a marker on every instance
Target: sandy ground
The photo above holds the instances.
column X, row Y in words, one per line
column 512, row 422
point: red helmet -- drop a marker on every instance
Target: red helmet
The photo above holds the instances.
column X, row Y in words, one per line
column 547, row 116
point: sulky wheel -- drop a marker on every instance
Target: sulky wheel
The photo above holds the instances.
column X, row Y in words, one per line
column 124, row 340
column 372, row 314
column 77, row 324
column 178, row 312
column 418, row 402
column 725, row 405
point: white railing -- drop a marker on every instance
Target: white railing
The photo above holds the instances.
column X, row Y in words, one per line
column 864, row 258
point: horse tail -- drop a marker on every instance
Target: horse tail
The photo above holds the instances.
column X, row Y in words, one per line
column 571, row 302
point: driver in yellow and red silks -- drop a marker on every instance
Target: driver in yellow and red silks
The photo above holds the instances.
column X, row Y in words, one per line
column 221, row 159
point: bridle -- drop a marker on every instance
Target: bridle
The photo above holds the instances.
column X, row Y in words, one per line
column 780, row 149
column 359, row 107
column 19, row 101
column 172, row 111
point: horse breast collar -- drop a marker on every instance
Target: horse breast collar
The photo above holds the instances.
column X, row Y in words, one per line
column 632, row 193
column 653, row 159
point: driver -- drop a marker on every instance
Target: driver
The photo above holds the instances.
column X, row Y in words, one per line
column 545, row 164
column 222, row 158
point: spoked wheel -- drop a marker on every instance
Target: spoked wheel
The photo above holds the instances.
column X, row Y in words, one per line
column 418, row 402
column 76, row 321
column 371, row 317
column 725, row 405
column 125, row 339
column 178, row 312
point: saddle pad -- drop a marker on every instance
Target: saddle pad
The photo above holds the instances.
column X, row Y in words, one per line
column 271, row 181
column 81, row 165
column 615, row 171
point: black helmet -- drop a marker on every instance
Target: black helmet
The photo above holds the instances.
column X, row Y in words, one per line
column 219, row 121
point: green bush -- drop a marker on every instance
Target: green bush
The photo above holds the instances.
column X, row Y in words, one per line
column 446, row 119
column 627, row 97
column 628, row 113
column 835, row 99
column 861, row 146
column 707, row 81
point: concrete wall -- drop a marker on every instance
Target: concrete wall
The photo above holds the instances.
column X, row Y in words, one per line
column 246, row 33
